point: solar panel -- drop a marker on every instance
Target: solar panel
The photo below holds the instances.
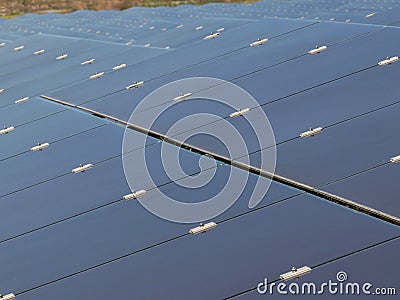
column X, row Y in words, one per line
column 51, row 130
column 87, row 205
column 104, row 186
column 321, row 106
column 179, row 33
column 60, row 158
column 55, row 73
column 383, row 182
column 353, row 270
column 312, row 70
column 390, row 17
column 186, row 109
column 34, row 109
column 232, row 40
column 364, row 142
column 263, row 91
column 264, row 243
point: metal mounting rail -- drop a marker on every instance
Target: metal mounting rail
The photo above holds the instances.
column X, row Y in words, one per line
column 287, row 181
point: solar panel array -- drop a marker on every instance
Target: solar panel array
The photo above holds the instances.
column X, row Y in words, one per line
column 69, row 81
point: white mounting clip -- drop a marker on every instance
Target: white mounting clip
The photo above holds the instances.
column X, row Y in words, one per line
column 211, row 36
column 182, row 96
column 317, row 50
column 19, row 48
column 63, row 56
column 395, row 159
column 97, row 75
column 7, row 130
column 240, row 112
column 295, row 273
column 40, row 147
column 38, row 52
column 311, row 132
column 7, row 297
column 203, row 228
column 388, row 60
column 88, row 62
column 135, row 85
column 134, row 195
column 120, row 66
column 259, row 42
column 23, row 99
column 82, row 168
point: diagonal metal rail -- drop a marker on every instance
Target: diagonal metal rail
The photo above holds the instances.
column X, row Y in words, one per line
column 249, row 168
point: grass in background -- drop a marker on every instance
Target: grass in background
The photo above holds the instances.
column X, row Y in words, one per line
column 14, row 8
column 11, row 16
column 155, row 3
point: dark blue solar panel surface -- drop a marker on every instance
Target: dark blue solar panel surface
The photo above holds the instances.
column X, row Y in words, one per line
column 60, row 158
column 289, row 117
column 206, row 49
column 181, row 32
column 390, row 17
column 361, row 268
column 352, row 56
column 322, row 106
column 238, row 64
column 315, row 69
column 343, row 150
column 55, row 223
column 57, row 204
column 375, row 188
column 231, row 257
column 62, row 197
column 54, row 74
column 51, row 129
column 26, row 112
